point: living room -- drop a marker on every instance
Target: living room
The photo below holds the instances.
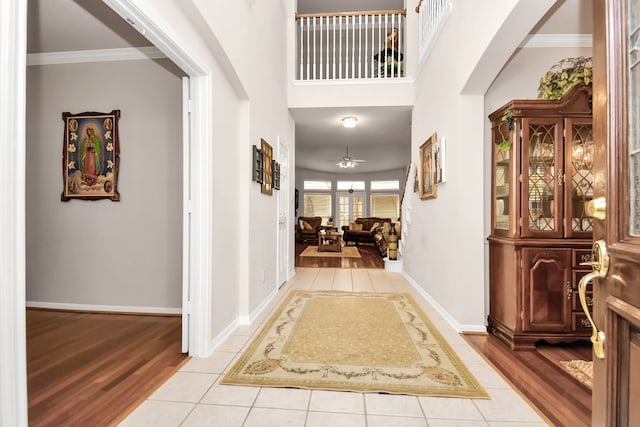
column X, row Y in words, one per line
column 348, row 173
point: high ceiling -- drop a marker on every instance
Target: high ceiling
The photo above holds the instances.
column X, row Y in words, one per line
column 383, row 136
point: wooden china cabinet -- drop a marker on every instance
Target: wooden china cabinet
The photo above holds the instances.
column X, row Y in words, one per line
column 541, row 182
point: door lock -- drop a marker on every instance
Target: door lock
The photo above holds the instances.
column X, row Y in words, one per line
column 597, row 208
column 600, row 263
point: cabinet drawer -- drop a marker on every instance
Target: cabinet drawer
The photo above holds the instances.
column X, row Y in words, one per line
column 580, row 323
column 575, row 302
column 577, row 275
column 580, row 256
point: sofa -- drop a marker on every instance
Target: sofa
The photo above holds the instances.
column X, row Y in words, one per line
column 307, row 228
column 365, row 234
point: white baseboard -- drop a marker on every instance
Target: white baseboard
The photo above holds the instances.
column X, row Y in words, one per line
column 103, row 308
column 458, row 327
column 247, row 320
column 218, row 339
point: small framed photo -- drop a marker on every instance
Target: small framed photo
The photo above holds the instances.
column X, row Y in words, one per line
column 276, row 175
column 427, row 189
column 257, row 165
column 440, row 160
column 90, row 156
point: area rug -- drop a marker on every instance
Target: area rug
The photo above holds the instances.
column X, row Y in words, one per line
column 347, row 252
column 582, row 370
column 361, row 342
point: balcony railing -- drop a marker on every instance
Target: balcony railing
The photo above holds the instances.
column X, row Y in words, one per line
column 433, row 14
column 354, row 45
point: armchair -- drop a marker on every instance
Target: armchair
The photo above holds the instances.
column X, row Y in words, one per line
column 307, row 228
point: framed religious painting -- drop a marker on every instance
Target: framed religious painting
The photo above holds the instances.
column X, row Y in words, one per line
column 267, row 167
column 90, row 156
column 427, row 189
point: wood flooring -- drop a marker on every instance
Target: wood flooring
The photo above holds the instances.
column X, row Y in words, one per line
column 538, row 376
column 88, row 369
column 370, row 258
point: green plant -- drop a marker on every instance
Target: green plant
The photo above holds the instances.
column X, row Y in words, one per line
column 509, row 118
column 565, row 75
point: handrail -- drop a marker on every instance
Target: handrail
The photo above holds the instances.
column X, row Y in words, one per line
column 351, row 45
column 360, row 13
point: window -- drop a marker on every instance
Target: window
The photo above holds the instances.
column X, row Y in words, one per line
column 316, row 204
column 385, row 185
column 385, row 206
column 350, row 185
column 317, row 185
column 318, row 201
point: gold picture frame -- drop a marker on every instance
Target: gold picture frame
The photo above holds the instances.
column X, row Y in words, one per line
column 427, row 188
column 267, row 172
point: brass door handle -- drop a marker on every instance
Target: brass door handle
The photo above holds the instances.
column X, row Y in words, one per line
column 600, row 266
column 597, row 208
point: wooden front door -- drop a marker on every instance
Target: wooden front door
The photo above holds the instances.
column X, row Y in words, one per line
column 616, row 310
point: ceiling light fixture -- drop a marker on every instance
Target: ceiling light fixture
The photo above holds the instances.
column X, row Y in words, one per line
column 348, row 161
column 349, row 122
column 347, row 164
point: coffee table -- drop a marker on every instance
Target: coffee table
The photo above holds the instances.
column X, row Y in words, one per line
column 330, row 241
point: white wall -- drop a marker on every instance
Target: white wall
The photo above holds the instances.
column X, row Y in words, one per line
column 444, row 250
column 126, row 253
column 247, row 40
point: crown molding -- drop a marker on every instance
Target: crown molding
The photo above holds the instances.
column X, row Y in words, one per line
column 97, row 55
column 557, row 40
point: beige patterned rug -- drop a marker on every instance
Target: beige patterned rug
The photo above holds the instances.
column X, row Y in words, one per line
column 347, row 252
column 362, row 342
column 582, row 370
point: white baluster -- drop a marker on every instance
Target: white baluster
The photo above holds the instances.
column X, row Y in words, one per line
column 300, row 51
column 334, row 47
column 320, row 33
column 359, row 46
column 393, row 43
column 379, row 41
column 328, row 36
column 400, row 45
column 353, row 47
column 340, row 47
column 308, row 50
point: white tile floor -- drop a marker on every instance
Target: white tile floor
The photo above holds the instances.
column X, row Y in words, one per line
column 194, row 397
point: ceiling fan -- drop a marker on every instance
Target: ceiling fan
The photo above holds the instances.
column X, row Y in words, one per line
column 348, row 161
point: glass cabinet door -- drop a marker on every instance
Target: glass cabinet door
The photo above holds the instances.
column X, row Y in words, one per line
column 579, row 177
column 542, row 178
column 503, row 150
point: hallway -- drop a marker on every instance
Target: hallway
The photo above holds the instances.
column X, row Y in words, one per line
column 193, row 397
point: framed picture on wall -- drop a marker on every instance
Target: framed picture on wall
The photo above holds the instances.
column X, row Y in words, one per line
column 257, row 165
column 267, row 172
column 90, row 156
column 440, row 163
column 427, row 189
column 276, row 175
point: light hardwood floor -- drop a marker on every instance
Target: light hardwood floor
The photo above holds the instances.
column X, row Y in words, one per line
column 88, row 369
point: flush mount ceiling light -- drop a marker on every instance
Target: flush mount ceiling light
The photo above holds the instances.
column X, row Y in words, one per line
column 349, row 122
